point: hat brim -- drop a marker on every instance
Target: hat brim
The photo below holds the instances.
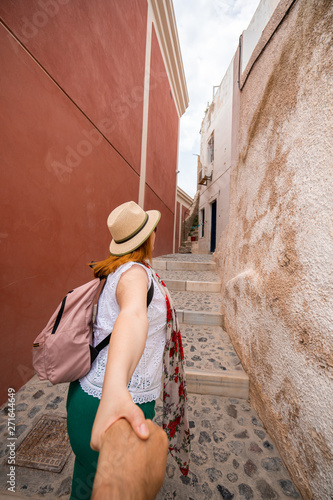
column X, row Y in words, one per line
column 120, row 249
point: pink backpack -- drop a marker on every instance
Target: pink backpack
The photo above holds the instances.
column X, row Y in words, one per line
column 63, row 351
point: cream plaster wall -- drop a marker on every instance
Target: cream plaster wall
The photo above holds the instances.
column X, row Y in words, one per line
column 254, row 30
column 218, row 120
column 275, row 259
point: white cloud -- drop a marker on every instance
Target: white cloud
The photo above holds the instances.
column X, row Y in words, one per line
column 208, row 33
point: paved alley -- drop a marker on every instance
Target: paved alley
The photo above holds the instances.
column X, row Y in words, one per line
column 232, row 457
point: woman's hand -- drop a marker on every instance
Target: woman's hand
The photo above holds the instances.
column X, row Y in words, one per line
column 109, row 412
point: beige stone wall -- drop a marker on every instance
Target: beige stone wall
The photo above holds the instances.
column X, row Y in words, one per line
column 275, row 259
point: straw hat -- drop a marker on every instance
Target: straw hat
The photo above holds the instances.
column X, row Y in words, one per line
column 130, row 226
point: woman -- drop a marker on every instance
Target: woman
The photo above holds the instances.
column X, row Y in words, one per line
column 126, row 378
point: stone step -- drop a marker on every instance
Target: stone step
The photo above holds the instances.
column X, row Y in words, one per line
column 198, row 302
column 189, row 276
column 169, row 265
column 232, row 384
column 174, row 257
column 193, row 286
column 4, row 495
column 200, row 318
column 184, row 250
column 209, row 348
column 212, row 366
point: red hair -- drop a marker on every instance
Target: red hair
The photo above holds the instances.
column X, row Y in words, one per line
column 111, row 263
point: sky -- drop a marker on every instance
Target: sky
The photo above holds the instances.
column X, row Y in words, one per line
column 208, row 32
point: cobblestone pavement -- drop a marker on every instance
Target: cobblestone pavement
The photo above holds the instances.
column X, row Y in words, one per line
column 33, row 400
column 232, row 456
column 208, row 348
column 197, row 301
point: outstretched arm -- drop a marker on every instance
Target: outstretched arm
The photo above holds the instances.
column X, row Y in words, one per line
column 127, row 344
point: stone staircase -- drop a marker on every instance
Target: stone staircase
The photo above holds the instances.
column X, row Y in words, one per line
column 212, row 366
column 187, row 245
column 232, row 456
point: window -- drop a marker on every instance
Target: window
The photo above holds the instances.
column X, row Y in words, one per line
column 211, row 149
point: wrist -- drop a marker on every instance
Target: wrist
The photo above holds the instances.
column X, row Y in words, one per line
column 117, row 487
column 114, row 388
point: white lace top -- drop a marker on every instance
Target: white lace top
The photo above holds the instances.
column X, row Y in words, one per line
column 146, row 382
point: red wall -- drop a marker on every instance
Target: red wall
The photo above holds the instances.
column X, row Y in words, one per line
column 164, row 240
column 95, row 51
column 53, row 220
column 70, row 138
column 162, row 133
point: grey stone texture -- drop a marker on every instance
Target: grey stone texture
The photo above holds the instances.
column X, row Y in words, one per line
column 197, row 301
column 39, row 398
column 208, row 348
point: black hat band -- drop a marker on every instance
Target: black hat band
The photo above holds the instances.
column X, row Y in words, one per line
column 135, row 232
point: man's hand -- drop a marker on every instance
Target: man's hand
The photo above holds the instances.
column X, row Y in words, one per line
column 129, row 467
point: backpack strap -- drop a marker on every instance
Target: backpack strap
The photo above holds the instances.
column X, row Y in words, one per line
column 150, row 293
column 60, row 313
column 94, row 351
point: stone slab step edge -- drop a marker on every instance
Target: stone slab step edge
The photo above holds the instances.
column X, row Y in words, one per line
column 193, row 286
column 17, row 496
column 173, row 265
column 200, row 318
column 231, row 384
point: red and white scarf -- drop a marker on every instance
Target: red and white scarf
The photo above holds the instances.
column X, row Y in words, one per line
column 175, row 421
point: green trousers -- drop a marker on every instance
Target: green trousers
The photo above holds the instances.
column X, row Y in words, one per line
column 81, row 412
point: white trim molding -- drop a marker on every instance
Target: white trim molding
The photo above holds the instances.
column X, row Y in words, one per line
column 144, row 138
column 184, row 198
column 166, row 30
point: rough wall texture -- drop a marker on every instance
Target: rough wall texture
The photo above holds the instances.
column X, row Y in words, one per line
column 276, row 257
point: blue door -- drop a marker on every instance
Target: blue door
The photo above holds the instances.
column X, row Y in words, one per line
column 213, row 227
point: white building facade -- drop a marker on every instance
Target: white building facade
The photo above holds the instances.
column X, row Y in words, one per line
column 214, row 166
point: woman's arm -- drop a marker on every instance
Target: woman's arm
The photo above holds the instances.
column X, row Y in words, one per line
column 127, row 344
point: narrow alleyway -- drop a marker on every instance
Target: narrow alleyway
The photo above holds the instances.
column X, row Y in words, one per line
column 232, row 457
